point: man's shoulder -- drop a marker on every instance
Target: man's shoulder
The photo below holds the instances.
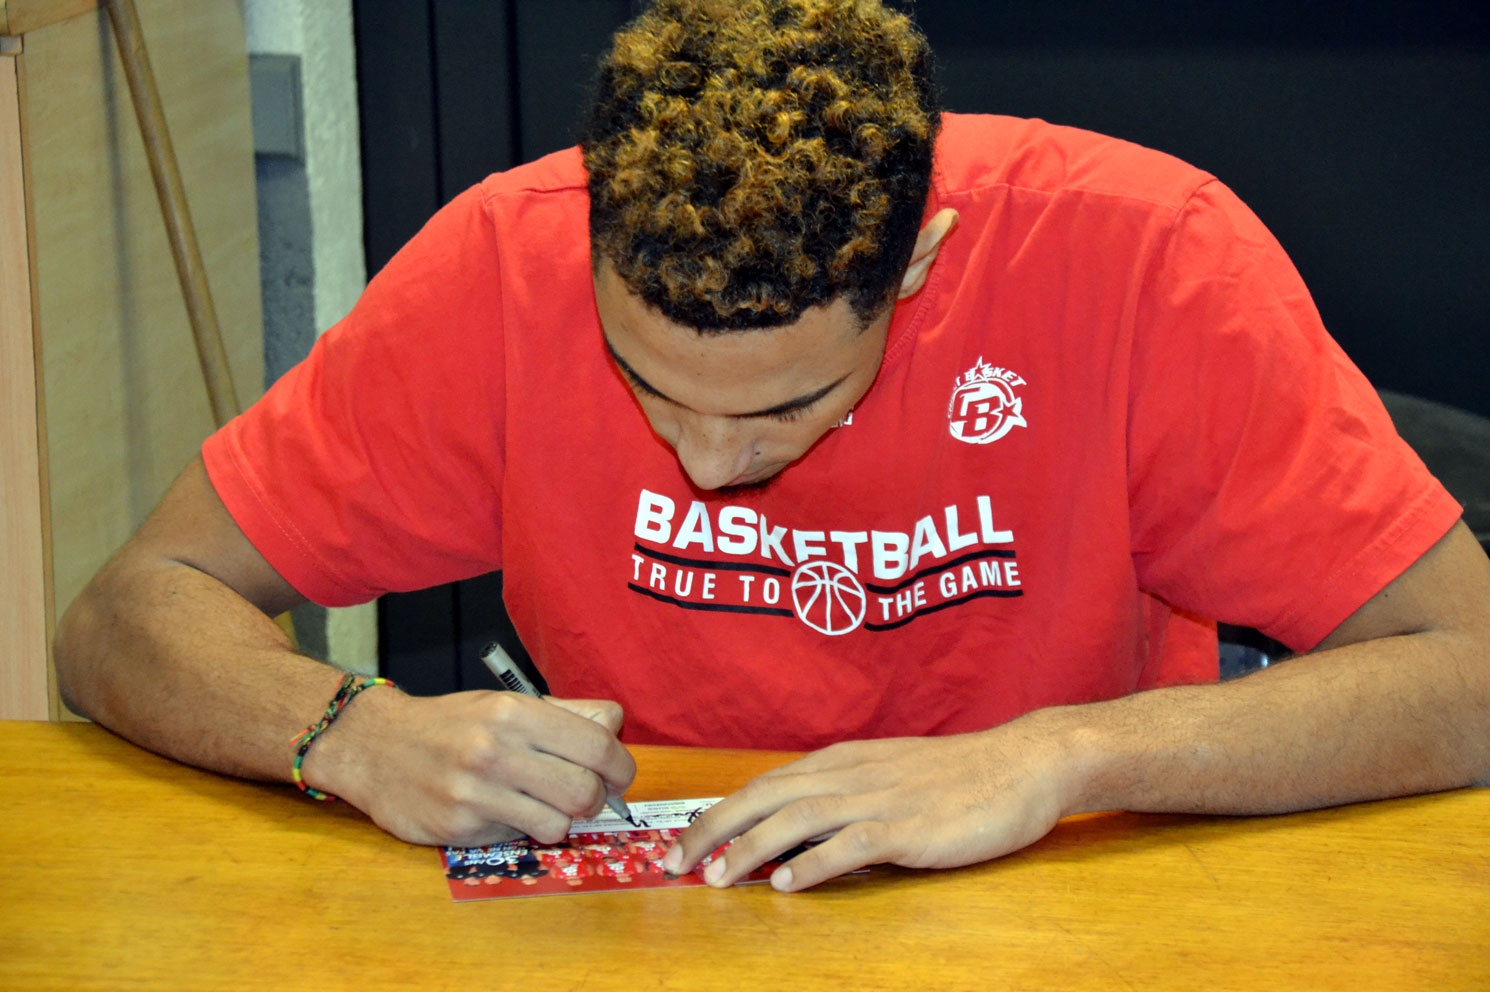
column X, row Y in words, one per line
column 561, row 172
column 978, row 151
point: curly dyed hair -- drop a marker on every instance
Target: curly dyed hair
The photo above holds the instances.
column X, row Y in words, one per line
column 749, row 159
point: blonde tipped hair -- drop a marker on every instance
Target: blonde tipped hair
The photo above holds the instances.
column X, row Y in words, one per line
column 749, row 159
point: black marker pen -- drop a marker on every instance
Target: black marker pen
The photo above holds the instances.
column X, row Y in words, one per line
column 513, row 680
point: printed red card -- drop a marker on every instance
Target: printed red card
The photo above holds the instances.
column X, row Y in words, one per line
column 600, row 855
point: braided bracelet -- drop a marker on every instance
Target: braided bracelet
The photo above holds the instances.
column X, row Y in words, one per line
column 350, row 686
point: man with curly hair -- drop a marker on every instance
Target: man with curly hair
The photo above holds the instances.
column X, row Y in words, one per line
column 801, row 415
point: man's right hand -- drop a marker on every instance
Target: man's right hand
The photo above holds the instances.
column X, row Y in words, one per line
column 172, row 646
column 472, row 768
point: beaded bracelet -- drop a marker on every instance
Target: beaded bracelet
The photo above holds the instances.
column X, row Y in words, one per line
column 350, row 686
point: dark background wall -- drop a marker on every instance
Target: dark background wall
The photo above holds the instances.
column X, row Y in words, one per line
column 1359, row 132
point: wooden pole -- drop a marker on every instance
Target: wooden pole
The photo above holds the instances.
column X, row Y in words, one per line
column 190, row 270
column 169, row 190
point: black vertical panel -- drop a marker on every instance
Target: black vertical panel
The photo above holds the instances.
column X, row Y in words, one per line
column 475, row 75
column 437, row 92
column 1366, row 164
column 1002, row 25
column 396, row 99
column 483, row 619
column 553, row 45
column 400, row 190
column 559, row 42
column 1356, row 131
column 511, row 81
column 475, row 82
column 415, row 640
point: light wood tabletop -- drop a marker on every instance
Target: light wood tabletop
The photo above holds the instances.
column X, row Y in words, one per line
column 121, row 869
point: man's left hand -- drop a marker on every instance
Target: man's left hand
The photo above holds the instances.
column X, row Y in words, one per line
column 1396, row 701
column 932, row 802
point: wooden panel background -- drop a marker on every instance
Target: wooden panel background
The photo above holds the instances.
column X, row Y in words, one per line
column 125, row 404
column 23, row 615
column 20, row 16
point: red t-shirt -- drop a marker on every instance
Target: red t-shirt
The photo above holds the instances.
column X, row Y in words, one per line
column 1112, row 394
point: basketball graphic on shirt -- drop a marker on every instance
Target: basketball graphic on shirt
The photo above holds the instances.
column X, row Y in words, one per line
column 984, row 407
column 828, row 597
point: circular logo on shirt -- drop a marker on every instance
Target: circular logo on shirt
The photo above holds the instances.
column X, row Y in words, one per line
column 829, row 598
column 984, row 406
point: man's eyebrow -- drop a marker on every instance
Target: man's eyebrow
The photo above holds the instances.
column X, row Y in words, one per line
column 630, row 373
column 801, row 402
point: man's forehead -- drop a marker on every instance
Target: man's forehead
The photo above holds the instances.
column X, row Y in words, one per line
column 746, row 372
column 796, row 402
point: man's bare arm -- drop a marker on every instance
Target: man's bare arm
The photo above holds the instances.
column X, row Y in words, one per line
column 1396, row 701
column 172, row 645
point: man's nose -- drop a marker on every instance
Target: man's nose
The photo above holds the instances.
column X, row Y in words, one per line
column 714, row 452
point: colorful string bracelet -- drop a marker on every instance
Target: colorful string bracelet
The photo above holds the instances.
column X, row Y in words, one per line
column 350, row 686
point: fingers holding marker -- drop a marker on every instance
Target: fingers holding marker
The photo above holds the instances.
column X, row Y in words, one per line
column 578, row 731
column 530, row 764
column 606, row 712
column 611, row 761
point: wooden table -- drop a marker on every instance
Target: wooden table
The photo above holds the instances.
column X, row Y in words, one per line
column 120, row 869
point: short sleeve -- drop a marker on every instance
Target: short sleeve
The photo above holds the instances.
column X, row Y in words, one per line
column 376, row 464
column 1268, row 487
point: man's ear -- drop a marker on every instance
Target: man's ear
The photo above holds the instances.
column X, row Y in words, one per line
column 928, row 243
